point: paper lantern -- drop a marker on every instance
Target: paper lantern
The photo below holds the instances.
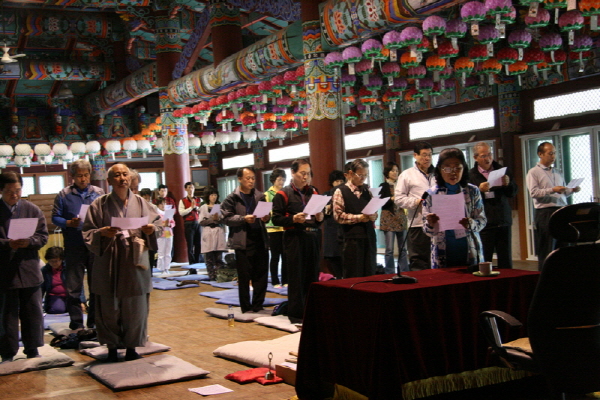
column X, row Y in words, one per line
column 570, row 22
column 590, row 8
column 478, row 53
column 434, row 26
column 533, row 6
column 333, row 60
column 364, row 68
column 372, row 49
column 249, row 137
column 408, row 61
column 78, row 149
column 92, row 148
column 491, row 67
column 351, row 55
column 555, row 5
column 435, row 64
column 352, row 116
column 412, row 36
column 472, row 13
column 391, row 41
column 533, row 57
column 6, row 153
column 400, row 84
column 446, row 51
column 517, row 68
column 519, row 39
column 556, row 58
column 581, row 44
column 143, row 146
column 462, row 67
column 541, row 19
column 43, row 151
column 455, row 29
column 416, row 73
column 390, row 70
column 60, row 151
column 112, row 147
column 264, row 136
column 507, row 56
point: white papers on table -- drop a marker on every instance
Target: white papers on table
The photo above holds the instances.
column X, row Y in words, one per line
column 216, row 209
column 575, row 182
column 495, row 177
column 169, row 214
column 128, row 223
column 83, row 211
column 22, row 228
column 316, row 204
column 374, row 205
column 450, row 209
column 375, row 191
column 290, row 365
column 210, row 389
column 262, row 208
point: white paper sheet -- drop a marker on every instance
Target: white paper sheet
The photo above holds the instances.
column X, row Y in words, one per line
column 210, row 389
column 316, row 204
column 262, row 208
column 83, row 211
column 216, row 209
column 375, row 191
column 575, row 182
column 22, row 228
column 495, row 177
column 374, row 205
column 290, row 365
column 450, row 209
column 128, row 223
column 169, row 214
column 169, row 207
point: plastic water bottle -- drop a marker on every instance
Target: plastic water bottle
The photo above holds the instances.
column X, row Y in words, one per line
column 230, row 319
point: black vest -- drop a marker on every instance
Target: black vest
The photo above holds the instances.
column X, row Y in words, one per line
column 355, row 205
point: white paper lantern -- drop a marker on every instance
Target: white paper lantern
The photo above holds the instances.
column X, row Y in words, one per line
column 222, row 138
column 23, row 150
column 208, row 140
column 93, row 148
column 78, row 149
column 112, row 147
column 249, row 137
column 159, row 145
column 235, row 137
column 264, row 136
column 129, row 146
column 6, row 150
column 60, row 150
column 22, row 161
column 42, row 150
column 144, row 147
column 194, row 144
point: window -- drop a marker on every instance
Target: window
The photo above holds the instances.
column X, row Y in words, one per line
column 289, row 152
column 236, row 162
column 149, row 180
column 567, row 104
column 364, row 139
column 226, row 185
column 461, row 123
column 28, row 186
column 50, row 184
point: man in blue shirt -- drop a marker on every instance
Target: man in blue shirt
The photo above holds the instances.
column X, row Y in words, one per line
column 66, row 214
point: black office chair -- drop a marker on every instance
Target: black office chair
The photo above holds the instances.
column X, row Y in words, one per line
column 564, row 315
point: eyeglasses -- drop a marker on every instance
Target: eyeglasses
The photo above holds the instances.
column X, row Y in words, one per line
column 489, row 155
column 426, row 155
column 450, row 170
column 362, row 176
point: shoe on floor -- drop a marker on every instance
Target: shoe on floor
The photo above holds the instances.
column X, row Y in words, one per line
column 285, row 285
column 277, row 286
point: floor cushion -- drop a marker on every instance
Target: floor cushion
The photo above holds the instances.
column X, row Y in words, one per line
column 237, row 314
column 255, row 352
column 101, row 352
column 278, row 322
column 51, row 358
column 148, row 371
column 165, row 284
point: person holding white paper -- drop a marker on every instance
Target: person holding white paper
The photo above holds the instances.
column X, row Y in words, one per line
column 78, row 259
column 458, row 247
column 20, row 274
column 496, row 236
column 122, row 283
column 277, row 179
column 165, row 241
column 547, row 189
column 302, row 236
column 359, row 254
column 248, row 237
column 213, row 233
column 393, row 222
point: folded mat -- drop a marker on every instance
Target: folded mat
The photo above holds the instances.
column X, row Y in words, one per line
column 195, row 277
column 255, row 352
column 219, row 294
column 195, row 266
column 101, row 352
column 235, row 301
column 279, row 322
column 171, row 274
column 222, row 285
column 148, row 371
column 51, row 358
column 282, row 290
column 237, row 314
column 165, row 284
column 56, row 318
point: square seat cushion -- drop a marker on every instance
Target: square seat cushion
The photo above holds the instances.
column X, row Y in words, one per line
column 255, row 352
column 50, row 358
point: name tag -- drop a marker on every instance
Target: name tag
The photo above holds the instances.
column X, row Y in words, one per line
column 460, row 233
column 489, row 195
column 125, row 233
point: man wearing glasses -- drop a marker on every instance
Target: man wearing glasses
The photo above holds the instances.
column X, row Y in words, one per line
column 359, row 258
column 411, row 185
column 548, row 190
column 496, row 236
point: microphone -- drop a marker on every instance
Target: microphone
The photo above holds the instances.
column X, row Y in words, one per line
column 399, row 278
column 474, row 267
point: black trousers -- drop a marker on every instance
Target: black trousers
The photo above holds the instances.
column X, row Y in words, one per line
column 499, row 239
column 544, row 242
column 193, row 237
column 24, row 305
column 276, row 247
column 419, row 249
column 252, row 265
column 302, row 249
column 78, row 259
column 359, row 257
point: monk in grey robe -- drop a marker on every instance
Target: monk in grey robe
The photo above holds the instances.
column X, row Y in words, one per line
column 122, row 283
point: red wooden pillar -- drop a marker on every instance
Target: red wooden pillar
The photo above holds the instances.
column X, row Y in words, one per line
column 226, row 30
column 176, row 157
column 325, row 123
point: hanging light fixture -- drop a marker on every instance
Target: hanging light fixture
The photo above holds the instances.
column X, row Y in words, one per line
column 64, row 93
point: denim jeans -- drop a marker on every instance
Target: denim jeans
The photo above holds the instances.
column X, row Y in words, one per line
column 389, row 252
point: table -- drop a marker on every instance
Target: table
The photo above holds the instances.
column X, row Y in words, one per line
column 376, row 336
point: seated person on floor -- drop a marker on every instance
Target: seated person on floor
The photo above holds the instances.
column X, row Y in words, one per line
column 54, row 292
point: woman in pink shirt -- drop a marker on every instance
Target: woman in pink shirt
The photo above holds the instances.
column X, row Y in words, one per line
column 53, row 288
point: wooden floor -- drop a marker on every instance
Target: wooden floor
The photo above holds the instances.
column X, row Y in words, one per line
column 176, row 319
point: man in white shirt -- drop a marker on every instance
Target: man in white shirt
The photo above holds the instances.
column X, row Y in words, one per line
column 411, row 185
column 549, row 193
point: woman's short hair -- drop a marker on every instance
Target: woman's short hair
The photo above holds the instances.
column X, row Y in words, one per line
column 277, row 172
column 8, row 177
column 54, row 252
column 445, row 155
column 336, row 175
column 388, row 167
column 208, row 191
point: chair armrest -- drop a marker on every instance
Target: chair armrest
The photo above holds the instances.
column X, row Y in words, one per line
column 509, row 319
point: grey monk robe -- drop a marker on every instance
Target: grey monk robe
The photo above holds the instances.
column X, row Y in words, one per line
column 122, row 287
